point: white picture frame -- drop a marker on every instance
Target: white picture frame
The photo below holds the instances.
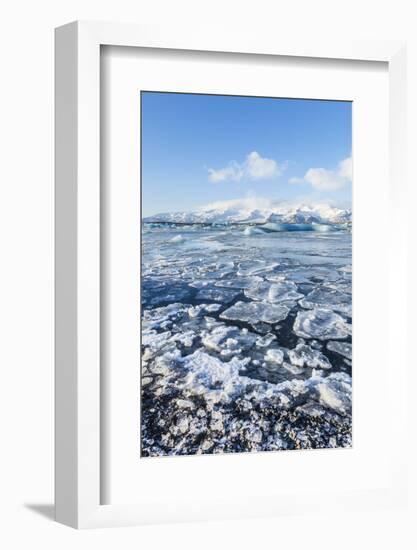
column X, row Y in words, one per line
column 78, row 411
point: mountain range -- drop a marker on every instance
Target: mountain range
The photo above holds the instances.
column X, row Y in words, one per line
column 242, row 213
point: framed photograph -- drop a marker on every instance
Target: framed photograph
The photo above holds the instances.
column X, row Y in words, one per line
column 227, row 303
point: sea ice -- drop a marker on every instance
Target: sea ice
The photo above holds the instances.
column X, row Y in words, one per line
column 275, row 356
column 177, row 239
column 249, row 231
column 253, row 388
column 255, row 267
column 305, row 356
column 342, row 348
column 265, row 341
column 273, row 292
column 335, row 392
column 212, row 378
column 185, row 338
column 293, row 369
column 201, row 283
column 228, row 340
column 154, row 318
column 218, row 295
column 212, row 307
column 253, row 312
column 321, row 323
column 239, row 282
column 153, row 339
column 328, row 298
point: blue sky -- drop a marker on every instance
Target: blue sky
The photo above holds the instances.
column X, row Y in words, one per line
column 201, row 149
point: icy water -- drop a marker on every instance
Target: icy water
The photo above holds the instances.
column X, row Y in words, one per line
column 246, row 339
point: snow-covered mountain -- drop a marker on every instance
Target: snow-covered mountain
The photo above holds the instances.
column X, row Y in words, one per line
column 245, row 212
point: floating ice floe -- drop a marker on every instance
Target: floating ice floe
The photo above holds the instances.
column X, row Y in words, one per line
column 249, row 231
column 321, row 323
column 329, row 298
column 305, row 356
column 275, row 356
column 162, row 364
column 228, row 340
column 342, row 348
column 177, row 239
column 335, row 392
column 239, row 282
column 273, row 292
column 157, row 317
column 255, row 267
column 265, row 341
column 253, row 312
column 184, row 338
column 199, row 310
column 212, row 378
column 154, row 340
column 212, row 307
column 342, row 285
column 202, row 283
column 218, row 295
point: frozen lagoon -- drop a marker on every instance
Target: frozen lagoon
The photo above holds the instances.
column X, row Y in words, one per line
column 246, row 339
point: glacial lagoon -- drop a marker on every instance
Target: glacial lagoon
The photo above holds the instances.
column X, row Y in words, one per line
column 245, row 338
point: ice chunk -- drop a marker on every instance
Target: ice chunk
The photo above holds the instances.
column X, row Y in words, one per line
column 312, row 409
column 201, row 283
column 262, row 328
column 275, row 356
column 328, row 298
column 177, row 239
column 228, row 340
column 169, row 294
column 249, row 231
column 322, row 324
column 218, row 295
column 196, row 311
column 155, row 340
column 154, row 318
column 212, row 378
column 239, row 282
column 305, row 356
column 265, row 341
column 163, row 364
column 335, row 392
column 253, row 312
column 342, row 348
column 273, row 292
column 184, row 338
column 255, row 267
column 293, row 369
column 212, row 307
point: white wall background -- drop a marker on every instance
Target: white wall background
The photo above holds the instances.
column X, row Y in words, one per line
column 26, row 272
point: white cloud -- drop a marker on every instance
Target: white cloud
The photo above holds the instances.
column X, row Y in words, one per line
column 345, row 168
column 327, row 180
column 233, row 171
column 254, row 167
column 245, row 203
